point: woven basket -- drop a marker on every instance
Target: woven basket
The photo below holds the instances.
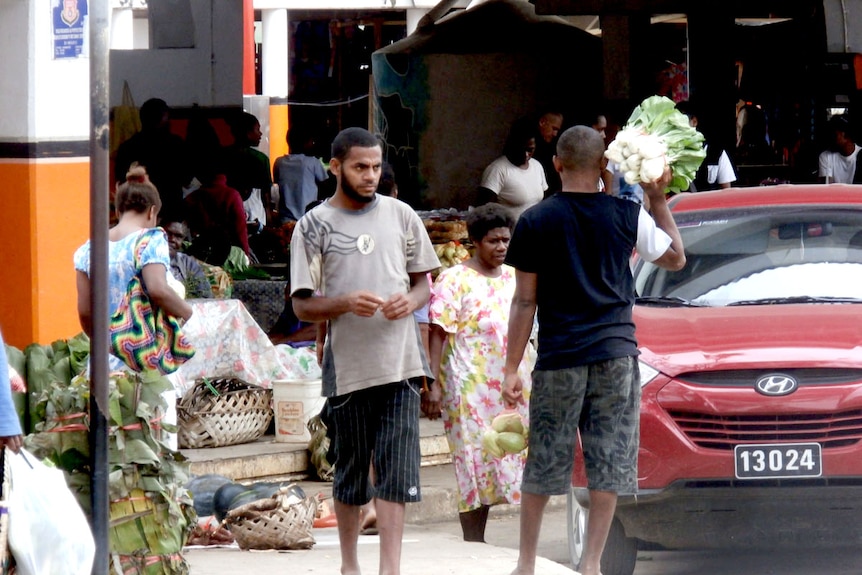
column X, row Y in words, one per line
column 280, row 522
column 237, row 412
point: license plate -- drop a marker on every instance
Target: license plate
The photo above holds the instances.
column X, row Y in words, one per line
column 788, row 460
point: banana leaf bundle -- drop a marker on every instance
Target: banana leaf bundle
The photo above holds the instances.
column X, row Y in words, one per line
column 147, row 534
column 151, row 513
column 48, row 365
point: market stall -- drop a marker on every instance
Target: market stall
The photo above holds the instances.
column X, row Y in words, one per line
column 447, row 230
column 230, row 343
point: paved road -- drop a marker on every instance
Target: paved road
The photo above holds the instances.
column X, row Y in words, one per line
column 503, row 531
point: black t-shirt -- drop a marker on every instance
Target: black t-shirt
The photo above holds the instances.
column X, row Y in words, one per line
column 579, row 246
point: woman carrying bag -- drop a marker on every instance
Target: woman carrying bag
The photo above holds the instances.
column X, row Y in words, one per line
column 145, row 334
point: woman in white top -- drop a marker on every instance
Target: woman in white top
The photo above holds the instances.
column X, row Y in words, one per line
column 515, row 179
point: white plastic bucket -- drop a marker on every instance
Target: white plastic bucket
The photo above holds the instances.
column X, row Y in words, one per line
column 295, row 401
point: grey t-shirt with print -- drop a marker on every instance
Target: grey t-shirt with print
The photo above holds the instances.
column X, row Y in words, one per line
column 335, row 251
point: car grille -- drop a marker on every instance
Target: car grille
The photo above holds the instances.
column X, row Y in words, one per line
column 838, row 429
column 747, row 377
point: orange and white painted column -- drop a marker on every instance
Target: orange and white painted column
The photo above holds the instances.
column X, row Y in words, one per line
column 44, row 174
column 275, row 76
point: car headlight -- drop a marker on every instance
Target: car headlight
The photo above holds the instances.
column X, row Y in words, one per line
column 648, row 373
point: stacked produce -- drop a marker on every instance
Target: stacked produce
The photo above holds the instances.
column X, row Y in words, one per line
column 151, row 512
column 442, row 230
column 507, row 434
column 451, row 253
column 656, row 135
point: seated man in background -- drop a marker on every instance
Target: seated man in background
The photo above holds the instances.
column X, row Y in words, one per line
column 184, row 267
column 215, row 209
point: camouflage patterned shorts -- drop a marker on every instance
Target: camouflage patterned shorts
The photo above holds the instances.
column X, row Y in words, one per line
column 605, row 398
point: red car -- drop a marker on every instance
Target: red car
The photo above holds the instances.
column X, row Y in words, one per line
column 751, row 374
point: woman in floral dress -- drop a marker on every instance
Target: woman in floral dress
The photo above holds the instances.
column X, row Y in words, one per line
column 469, row 315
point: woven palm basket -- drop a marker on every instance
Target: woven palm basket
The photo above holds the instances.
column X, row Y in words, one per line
column 223, row 411
column 283, row 521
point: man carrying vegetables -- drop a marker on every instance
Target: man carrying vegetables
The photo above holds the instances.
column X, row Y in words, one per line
column 571, row 254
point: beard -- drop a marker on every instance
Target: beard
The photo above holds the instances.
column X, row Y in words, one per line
column 353, row 193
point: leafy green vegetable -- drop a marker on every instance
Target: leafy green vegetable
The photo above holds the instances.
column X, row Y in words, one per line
column 236, row 261
column 251, row 273
column 657, row 115
column 238, row 267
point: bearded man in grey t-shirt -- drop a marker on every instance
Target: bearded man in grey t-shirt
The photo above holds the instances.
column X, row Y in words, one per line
column 359, row 261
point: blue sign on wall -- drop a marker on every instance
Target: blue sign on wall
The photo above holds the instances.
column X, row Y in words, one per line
column 70, row 17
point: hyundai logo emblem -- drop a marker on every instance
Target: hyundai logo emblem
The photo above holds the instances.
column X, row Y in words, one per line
column 776, row 384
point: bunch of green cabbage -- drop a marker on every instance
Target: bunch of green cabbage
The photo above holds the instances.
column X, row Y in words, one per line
column 657, row 134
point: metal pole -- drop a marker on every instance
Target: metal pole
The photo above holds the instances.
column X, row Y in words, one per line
column 99, row 344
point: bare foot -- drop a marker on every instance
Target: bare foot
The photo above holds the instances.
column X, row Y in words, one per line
column 368, row 519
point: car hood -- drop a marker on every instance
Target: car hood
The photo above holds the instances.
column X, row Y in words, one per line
column 675, row 340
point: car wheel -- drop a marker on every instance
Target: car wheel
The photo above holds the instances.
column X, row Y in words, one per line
column 576, row 523
column 620, row 552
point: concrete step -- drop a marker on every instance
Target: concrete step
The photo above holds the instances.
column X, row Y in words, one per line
column 268, row 459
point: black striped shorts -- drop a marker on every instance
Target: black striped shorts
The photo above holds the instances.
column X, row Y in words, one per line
column 380, row 424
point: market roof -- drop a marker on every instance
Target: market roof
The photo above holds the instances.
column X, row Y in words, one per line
column 495, row 26
column 739, row 8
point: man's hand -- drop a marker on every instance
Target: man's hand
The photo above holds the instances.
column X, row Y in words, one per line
column 513, row 390
column 656, row 190
column 364, row 303
column 432, row 401
column 398, row 306
column 13, row 442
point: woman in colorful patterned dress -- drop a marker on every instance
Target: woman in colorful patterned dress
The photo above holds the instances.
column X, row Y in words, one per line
column 469, row 314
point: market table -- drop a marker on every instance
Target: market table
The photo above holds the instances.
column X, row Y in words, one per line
column 230, row 343
column 264, row 299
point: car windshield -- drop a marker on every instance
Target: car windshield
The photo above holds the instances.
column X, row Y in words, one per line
column 760, row 256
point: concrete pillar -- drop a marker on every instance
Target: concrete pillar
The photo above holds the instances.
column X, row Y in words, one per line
column 712, row 74
column 276, row 75
column 622, row 59
column 413, row 17
column 274, row 52
column 44, row 172
column 122, row 29
column 248, row 45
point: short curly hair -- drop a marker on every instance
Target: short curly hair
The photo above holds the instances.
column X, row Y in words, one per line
column 488, row 217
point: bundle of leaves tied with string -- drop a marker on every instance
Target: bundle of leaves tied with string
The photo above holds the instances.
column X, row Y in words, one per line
column 657, row 135
column 151, row 512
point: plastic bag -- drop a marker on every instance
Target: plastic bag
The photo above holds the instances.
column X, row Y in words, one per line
column 126, row 119
column 48, row 532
